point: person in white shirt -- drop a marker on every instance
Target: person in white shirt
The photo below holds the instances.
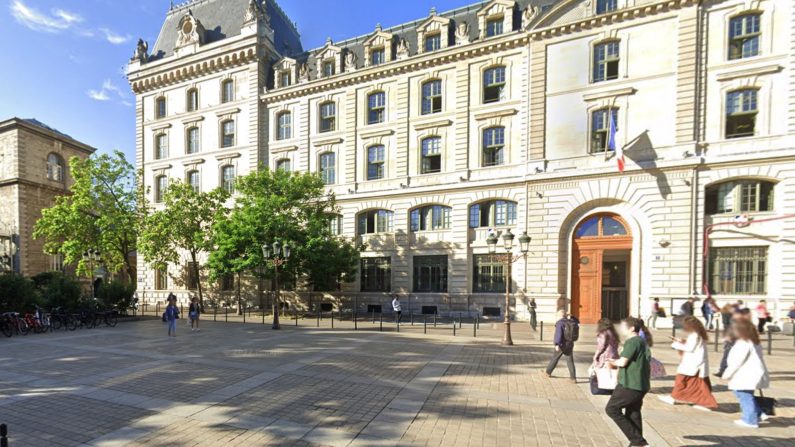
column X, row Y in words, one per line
column 397, row 308
column 746, row 372
column 692, row 384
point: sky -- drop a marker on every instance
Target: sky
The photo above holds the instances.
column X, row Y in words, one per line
column 63, row 61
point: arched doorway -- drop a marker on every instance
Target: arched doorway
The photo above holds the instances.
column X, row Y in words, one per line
column 601, row 268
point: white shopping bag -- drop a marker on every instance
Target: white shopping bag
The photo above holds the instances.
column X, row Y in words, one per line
column 607, row 378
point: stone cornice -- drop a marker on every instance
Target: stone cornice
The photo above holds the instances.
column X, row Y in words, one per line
column 495, row 114
column 749, row 72
column 609, row 93
column 326, row 141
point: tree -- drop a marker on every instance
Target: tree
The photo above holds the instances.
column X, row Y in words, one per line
column 99, row 213
column 183, row 225
column 294, row 209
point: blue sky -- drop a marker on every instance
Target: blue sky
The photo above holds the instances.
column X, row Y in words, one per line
column 63, row 60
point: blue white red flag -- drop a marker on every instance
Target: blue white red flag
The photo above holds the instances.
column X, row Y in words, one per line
column 611, row 143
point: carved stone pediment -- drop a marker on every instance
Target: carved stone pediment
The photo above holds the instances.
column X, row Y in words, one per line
column 432, row 25
column 190, row 31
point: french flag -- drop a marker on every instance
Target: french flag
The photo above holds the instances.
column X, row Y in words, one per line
column 611, row 144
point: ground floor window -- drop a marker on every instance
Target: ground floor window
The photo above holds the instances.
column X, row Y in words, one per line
column 738, row 270
column 376, row 274
column 489, row 276
column 161, row 279
column 430, row 273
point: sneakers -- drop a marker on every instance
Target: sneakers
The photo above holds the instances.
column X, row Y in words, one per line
column 699, row 407
column 742, row 423
column 667, row 399
column 764, row 417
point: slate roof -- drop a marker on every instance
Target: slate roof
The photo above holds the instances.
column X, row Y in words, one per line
column 37, row 123
column 222, row 19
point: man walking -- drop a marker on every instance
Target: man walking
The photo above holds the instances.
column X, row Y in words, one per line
column 397, row 308
column 567, row 331
column 624, row 406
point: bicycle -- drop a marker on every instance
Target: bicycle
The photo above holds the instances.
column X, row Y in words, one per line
column 17, row 324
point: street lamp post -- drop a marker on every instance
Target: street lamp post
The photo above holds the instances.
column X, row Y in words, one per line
column 508, row 259
column 278, row 255
column 92, row 258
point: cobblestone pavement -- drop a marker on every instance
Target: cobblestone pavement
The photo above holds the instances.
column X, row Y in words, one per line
column 234, row 384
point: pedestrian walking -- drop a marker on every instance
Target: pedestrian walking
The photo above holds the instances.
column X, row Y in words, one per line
column 687, row 308
column 606, row 350
column 626, row 402
column 708, row 310
column 171, row 315
column 194, row 312
column 729, row 339
column 567, row 332
column 762, row 316
column 397, row 308
column 747, row 372
column 726, row 313
column 655, row 311
column 533, row 314
column 692, row 384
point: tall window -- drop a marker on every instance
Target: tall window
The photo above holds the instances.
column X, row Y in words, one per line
column 284, row 78
column 429, row 218
column 228, row 91
column 494, row 84
column 192, row 100
column 160, row 107
column 432, row 97
column 57, row 262
column 741, row 110
column 605, row 61
column 494, row 26
column 492, row 214
column 376, row 106
column 328, row 167
column 376, row 162
column 55, row 168
column 227, row 133
column 194, row 180
column 335, row 224
column 161, row 184
column 285, row 123
column 431, row 155
column 192, row 138
column 284, row 164
column 600, row 128
column 494, row 146
column 161, row 146
column 433, row 42
column 430, row 274
column 744, row 36
column 328, row 116
column 375, row 221
column 161, row 278
column 743, row 196
column 376, row 274
column 489, row 274
column 228, row 178
column 603, row 6
column 738, row 270
column 377, row 56
column 328, row 68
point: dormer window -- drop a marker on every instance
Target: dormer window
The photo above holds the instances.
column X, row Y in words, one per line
column 433, row 42
column 284, row 79
column 494, row 26
column 605, row 6
column 377, row 56
column 328, row 68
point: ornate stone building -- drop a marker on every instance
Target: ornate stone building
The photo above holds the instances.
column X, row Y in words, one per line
column 34, row 170
column 505, row 115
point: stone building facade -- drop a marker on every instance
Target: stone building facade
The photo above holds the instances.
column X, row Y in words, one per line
column 34, row 169
column 506, row 115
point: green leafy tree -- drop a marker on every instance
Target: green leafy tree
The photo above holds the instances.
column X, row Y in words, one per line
column 100, row 213
column 183, row 225
column 293, row 208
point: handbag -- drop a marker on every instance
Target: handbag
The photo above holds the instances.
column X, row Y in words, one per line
column 607, row 378
column 656, row 368
column 766, row 404
column 595, row 390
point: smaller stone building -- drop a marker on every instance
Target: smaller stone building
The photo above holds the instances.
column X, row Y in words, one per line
column 34, row 169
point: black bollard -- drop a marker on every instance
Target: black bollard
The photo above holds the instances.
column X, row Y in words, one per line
column 454, row 325
column 541, row 332
column 434, row 319
column 226, row 314
column 475, row 326
column 295, row 315
column 244, row 315
column 381, row 322
column 355, row 321
column 3, row 435
column 411, row 315
column 459, row 320
column 318, row 318
column 397, row 324
column 769, row 342
column 332, row 319
column 215, row 311
column 424, row 324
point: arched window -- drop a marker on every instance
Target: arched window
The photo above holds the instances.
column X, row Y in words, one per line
column 192, row 100
column 160, row 107
column 227, row 91
column 431, row 156
column 431, row 97
column 161, row 184
column 228, row 178
column 194, row 180
column 161, row 146
column 328, row 116
column 284, row 164
column 375, row 221
column 376, row 107
column 494, row 85
column 744, row 33
column 494, row 146
column 227, row 133
column 192, row 140
column 601, row 225
column 739, row 196
column 284, row 122
column 431, row 217
column 56, row 168
column 492, row 213
column 327, row 163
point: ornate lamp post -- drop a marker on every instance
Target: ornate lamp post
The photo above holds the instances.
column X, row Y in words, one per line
column 278, row 255
column 508, row 259
column 92, row 258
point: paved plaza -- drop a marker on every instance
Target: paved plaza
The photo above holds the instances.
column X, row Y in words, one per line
column 234, row 384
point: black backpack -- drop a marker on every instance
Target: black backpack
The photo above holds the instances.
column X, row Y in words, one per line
column 571, row 331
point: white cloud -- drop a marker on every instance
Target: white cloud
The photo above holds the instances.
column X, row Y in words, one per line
column 115, row 38
column 98, row 95
column 107, row 90
column 58, row 20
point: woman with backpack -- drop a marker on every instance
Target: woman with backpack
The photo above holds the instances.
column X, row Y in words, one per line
column 692, row 383
column 747, row 372
column 171, row 315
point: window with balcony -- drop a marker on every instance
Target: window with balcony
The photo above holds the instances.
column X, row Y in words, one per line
column 161, row 184
column 605, row 61
column 600, row 129
column 431, row 97
column 738, row 270
column 494, row 26
column 376, row 274
column 741, row 111
column 431, row 161
column 376, row 107
column 328, row 117
column 744, row 36
column 160, row 107
column 489, row 274
column 56, row 168
column 430, row 274
column 495, row 213
column 161, row 146
column 433, row 42
column 376, row 162
column 227, row 133
column 192, row 140
column 328, row 167
column 228, row 178
column 227, row 91
column 284, row 164
column 192, row 100
column 285, row 126
column 430, row 218
column 494, row 146
column 604, row 6
column 494, row 85
column 740, row 196
column 375, row 221
column 194, row 180
column 377, row 56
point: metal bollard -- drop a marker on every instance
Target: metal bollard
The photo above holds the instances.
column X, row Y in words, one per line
column 397, row 324
column 424, row 324
column 434, row 319
column 411, row 315
column 355, row 321
column 769, row 342
column 332, row 319
column 475, row 327
column 263, row 315
column 244, row 315
column 381, row 322
column 541, row 332
column 454, row 325
column 460, row 319
column 717, row 334
column 226, row 315
column 318, row 318
column 3, row 435
column 215, row 311
column 295, row 315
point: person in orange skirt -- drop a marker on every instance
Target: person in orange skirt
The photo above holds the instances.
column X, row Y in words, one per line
column 692, row 385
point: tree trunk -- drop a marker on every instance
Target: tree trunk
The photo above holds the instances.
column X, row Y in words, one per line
column 239, row 301
column 196, row 271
